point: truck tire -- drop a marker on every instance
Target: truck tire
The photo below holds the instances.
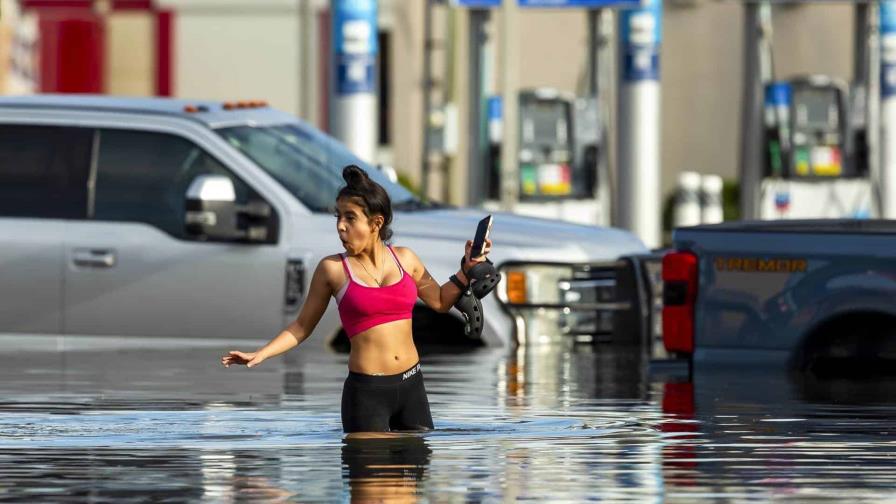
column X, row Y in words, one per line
column 852, row 345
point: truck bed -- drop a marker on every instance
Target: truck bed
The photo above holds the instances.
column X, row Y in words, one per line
column 813, row 226
column 814, row 294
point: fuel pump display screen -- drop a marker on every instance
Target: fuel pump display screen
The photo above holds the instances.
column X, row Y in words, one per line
column 817, row 109
column 817, row 132
column 545, row 148
column 545, row 123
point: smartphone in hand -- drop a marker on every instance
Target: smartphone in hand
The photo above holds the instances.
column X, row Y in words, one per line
column 485, row 225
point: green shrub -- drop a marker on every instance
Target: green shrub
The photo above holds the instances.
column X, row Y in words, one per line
column 730, row 207
column 405, row 182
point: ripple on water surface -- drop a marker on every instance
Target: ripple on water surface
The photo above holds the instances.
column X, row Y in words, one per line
column 571, row 424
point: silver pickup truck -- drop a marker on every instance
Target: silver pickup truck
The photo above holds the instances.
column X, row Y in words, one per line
column 810, row 296
column 172, row 218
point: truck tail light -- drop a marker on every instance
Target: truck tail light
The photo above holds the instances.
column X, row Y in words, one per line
column 679, row 296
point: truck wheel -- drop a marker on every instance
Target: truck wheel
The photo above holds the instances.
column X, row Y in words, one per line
column 851, row 346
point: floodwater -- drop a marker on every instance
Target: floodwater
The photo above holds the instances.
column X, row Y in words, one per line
column 98, row 420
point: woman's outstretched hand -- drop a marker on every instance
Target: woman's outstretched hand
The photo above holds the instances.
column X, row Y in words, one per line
column 249, row 359
column 469, row 262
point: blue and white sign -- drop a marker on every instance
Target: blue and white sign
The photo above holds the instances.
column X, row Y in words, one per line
column 494, row 114
column 548, row 4
column 641, row 31
column 887, row 48
column 354, row 45
column 476, row 4
column 494, row 108
column 778, row 94
column 581, row 4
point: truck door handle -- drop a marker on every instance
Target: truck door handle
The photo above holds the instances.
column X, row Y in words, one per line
column 94, row 258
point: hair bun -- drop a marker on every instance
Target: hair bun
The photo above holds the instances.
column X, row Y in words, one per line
column 354, row 176
column 373, row 199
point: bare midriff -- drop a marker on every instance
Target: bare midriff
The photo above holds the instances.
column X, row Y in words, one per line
column 385, row 349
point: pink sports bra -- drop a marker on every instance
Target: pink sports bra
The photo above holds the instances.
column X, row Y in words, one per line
column 362, row 307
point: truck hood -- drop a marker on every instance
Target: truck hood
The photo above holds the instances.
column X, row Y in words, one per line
column 514, row 237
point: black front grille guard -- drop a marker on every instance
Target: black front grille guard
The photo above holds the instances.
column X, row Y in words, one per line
column 637, row 307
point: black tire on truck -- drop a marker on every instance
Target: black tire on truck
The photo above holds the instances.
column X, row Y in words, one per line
column 857, row 344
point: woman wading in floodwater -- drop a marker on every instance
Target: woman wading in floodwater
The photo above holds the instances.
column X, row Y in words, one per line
column 375, row 286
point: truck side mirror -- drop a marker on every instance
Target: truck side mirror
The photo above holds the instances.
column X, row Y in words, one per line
column 212, row 212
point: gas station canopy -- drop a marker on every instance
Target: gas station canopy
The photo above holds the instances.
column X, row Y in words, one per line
column 550, row 4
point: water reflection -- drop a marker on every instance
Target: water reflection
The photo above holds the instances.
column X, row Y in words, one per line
column 743, row 431
column 386, row 468
column 547, row 423
column 560, row 374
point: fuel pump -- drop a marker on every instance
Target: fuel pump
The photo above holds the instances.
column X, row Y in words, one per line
column 811, row 168
column 560, row 170
column 807, row 142
column 808, row 132
column 546, row 150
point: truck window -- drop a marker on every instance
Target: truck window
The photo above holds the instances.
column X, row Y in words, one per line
column 144, row 176
column 43, row 171
column 307, row 163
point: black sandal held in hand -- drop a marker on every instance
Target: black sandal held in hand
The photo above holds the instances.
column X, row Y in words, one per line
column 483, row 279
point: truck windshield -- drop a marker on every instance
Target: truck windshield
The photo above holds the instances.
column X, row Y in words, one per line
column 307, row 163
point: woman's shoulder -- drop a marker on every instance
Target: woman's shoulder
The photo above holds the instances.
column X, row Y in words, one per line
column 331, row 268
column 406, row 256
column 331, row 262
column 403, row 251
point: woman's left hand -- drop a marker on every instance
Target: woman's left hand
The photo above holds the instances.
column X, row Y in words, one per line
column 469, row 262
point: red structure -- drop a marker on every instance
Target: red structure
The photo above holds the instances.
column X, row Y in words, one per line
column 73, row 44
column 164, row 53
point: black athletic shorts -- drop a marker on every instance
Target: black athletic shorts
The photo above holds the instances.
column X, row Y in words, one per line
column 381, row 403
